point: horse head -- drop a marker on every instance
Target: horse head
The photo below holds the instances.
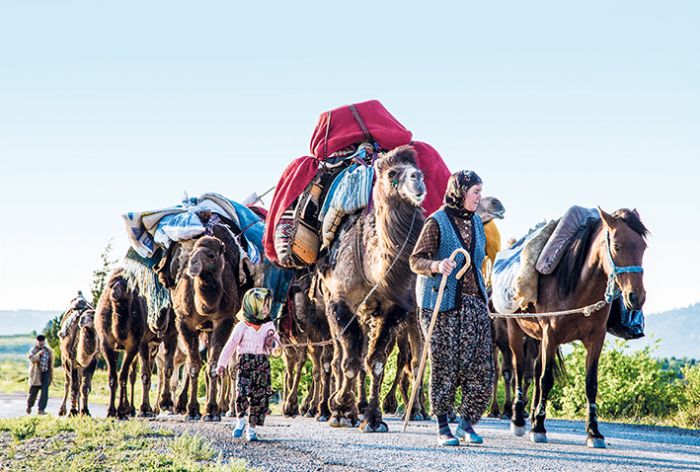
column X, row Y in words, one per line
column 623, row 247
column 398, row 176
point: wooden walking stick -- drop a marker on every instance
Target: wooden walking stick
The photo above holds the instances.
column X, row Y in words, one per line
column 424, row 356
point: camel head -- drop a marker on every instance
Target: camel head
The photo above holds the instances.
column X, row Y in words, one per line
column 490, row 208
column 398, row 176
column 118, row 288
column 206, row 267
column 87, row 319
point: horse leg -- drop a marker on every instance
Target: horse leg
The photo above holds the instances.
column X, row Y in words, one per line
column 535, row 373
column 216, row 345
column 87, row 386
column 145, row 356
column 124, row 410
column 349, row 366
column 548, row 352
column 593, row 350
column 193, row 366
column 507, row 374
column 515, row 342
column 493, row 411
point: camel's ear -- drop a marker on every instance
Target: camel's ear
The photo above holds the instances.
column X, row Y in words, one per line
column 608, row 220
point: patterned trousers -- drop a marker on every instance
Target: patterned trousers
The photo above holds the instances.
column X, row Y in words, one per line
column 461, row 355
column 253, row 387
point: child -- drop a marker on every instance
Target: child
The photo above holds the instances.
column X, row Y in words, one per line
column 253, row 338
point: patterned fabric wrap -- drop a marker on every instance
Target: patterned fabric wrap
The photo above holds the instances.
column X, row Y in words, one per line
column 252, row 309
column 461, row 355
column 139, row 272
column 457, row 187
column 253, row 387
column 427, row 286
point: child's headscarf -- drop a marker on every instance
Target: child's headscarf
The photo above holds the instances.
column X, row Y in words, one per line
column 254, row 301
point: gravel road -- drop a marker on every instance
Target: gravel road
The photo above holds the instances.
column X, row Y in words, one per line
column 304, row 445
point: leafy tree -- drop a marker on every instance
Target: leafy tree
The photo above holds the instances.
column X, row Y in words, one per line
column 99, row 276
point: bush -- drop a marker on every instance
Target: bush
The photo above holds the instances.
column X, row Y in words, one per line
column 630, row 385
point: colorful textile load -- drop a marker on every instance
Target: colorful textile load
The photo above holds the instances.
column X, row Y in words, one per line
column 342, row 137
column 149, row 229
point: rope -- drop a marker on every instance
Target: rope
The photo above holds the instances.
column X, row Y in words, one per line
column 586, row 310
column 369, row 294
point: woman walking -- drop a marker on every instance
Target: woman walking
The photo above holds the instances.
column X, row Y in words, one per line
column 461, row 350
column 253, row 338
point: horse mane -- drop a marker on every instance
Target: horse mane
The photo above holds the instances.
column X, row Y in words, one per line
column 569, row 269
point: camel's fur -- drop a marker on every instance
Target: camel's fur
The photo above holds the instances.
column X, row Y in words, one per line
column 79, row 350
column 366, row 247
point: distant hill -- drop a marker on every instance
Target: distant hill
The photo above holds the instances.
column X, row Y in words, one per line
column 678, row 331
column 24, row 321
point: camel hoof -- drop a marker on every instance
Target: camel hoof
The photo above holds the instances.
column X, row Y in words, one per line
column 73, row 413
column 596, row 443
column 382, row 427
column 196, row 417
column 538, row 438
column 517, row 430
column 336, row 422
column 505, row 417
column 322, row 418
column 146, row 414
column 309, row 414
column 62, row 412
column 211, row 418
column 85, row 412
column 494, row 414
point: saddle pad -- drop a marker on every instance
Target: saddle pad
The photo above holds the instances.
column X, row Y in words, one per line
column 574, row 218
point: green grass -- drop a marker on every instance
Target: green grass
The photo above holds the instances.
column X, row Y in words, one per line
column 86, row 444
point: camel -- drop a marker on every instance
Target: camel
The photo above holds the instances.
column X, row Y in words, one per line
column 308, row 324
column 120, row 322
column 206, row 291
column 172, row 381
column 79, row 351
column 368, row 286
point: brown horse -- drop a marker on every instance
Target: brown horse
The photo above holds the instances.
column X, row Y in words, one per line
column 605, row 256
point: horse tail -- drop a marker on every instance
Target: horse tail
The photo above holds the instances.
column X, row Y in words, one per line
column 560, row 374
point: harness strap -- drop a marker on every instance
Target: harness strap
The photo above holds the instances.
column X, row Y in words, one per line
column 358, row 118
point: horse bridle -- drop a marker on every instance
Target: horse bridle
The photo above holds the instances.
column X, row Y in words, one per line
column 612, row 291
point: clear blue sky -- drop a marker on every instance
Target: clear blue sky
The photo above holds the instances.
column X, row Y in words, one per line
column 111, row 108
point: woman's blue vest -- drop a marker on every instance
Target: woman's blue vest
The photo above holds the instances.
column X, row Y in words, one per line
column 427, row 286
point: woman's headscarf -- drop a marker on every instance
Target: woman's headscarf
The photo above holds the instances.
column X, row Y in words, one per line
column 254, row 301
column 457, row 187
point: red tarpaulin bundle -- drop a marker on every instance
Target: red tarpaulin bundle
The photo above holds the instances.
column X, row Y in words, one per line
column 338, row 129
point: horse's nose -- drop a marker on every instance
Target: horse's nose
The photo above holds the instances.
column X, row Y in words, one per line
column 635, row 300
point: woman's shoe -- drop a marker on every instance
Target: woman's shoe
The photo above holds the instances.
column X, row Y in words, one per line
column 238, row 431
column 251, row 436
column 447, row 440
column 469, row 436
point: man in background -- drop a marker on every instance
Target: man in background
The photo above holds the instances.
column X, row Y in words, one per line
column 40, row 374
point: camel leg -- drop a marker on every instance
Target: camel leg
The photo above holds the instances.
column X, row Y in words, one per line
column 74, row 391
column 132, row 382
column 87, row 386
column 416, row 345
column 548, row 351
column 124, row 410
column 111, row 358
column 515, row 342
column 347, row 366
column 324, row 412
column 165, row 403
column 390, row 405
column 193, row 366
column 231, row 372
column 66, row 388
column 224, row 393
column 218, row 338
column 362, row 391
column 290, row 407
column 380, row 340
column 310, row 404
column 145, row 356
column 181, row 405
column 593, row 350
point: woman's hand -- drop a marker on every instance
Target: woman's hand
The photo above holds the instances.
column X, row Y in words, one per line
column 446, row 266
column 220, row 371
